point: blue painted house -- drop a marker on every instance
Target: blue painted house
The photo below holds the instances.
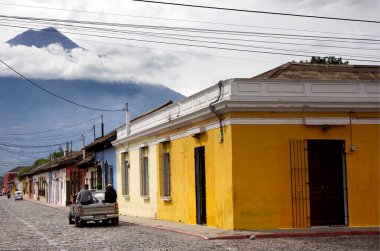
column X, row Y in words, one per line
column 99, row 161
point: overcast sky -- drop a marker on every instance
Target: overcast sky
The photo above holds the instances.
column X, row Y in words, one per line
column 183, row 68
column 118, row 54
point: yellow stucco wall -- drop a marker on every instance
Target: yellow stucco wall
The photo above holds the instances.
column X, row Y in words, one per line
column 248, row 177
column 134, row 204
column 261, row 173
column 182, row 207
column 363, row 177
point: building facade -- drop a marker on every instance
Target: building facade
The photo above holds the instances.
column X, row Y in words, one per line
column 259, row 153
column 8, row 177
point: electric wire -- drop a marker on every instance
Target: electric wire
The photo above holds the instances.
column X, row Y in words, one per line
column 54, row 129
column 181, row 20
column 260, row 12
column 57, row 96
column 20, row 154
column 24, row 151
column 177, row 28
column 221, row 48
column 170, row 36
column 67, row 137
column 36, row 146
column 243, row 45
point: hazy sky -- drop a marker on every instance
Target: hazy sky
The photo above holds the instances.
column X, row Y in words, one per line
column 186, row 69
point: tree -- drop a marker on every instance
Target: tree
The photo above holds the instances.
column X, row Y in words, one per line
column 22, row 172
column 58, row 154
column 325, row 60
column 39, row 162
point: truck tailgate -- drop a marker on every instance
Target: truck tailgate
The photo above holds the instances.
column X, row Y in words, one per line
column 99, row 208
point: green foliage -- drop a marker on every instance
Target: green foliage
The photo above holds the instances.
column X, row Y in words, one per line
column 1, row 180
column 58, row 154
column 39, row 162
column 22, row 172
column 325, row 60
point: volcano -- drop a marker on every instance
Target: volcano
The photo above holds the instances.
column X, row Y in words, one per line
column 43, row 38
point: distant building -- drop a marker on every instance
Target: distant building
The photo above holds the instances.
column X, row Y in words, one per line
column 100, row 162
column 8, row 177
column 56, row 181
column 295, row 147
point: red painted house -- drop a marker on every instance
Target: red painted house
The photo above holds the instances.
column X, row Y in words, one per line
column 10, row 175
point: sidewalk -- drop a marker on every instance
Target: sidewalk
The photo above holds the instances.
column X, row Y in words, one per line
column 212, row 233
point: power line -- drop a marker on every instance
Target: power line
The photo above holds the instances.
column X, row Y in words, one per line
column 55, row 95
column 180, row 36
column 216, row 42
column 66, row 136
column 182, row 20
column 234, row 44
column 36, row 146
column 260, row 12
column 232, row 49
column 219, row 48
column 54, row 129
column 20, row 154
column 24, row 151
column 177, row 28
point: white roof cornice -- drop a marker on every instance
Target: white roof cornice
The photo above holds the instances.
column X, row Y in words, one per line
column 258, row 95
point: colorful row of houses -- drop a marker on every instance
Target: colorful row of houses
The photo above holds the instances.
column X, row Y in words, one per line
column 295, row 147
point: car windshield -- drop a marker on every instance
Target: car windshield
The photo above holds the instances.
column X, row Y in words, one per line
column 99, row 196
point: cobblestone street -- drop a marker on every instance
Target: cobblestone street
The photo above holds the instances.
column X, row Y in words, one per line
column 30, row 226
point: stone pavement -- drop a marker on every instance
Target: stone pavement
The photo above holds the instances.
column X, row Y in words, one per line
column 213, row 233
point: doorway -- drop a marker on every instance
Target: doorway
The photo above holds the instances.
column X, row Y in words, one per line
column 327, row 182
column 200, row 185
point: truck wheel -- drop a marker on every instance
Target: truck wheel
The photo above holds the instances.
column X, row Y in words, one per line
column 78, row 223
column 71, row 219
column 115, row 221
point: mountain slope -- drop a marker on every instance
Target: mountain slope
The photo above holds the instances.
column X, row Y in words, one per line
column 43, row 38
column 22, row 103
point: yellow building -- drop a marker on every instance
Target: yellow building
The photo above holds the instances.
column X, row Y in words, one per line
column 295, row 147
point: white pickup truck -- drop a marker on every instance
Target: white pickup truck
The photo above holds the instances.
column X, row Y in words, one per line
column 96, row 211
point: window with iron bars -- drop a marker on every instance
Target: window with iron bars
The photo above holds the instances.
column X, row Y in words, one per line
column 144, row 174
column 165, row 169
column 92, row 180
column 125, row 173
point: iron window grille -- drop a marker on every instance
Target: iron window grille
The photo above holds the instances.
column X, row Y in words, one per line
column 125, row 174
column 144, row 172
column 165, row 170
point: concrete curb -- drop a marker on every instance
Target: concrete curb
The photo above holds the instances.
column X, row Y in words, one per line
column 319, row 234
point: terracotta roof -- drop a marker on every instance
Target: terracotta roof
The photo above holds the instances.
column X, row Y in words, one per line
column 15, row 170
column 299, row 71
column 87, row 162
column 55, row 164
column 152, row 111
column 102, row 142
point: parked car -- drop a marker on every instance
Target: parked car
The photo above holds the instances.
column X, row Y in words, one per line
column 97, row 211
column 18, row 196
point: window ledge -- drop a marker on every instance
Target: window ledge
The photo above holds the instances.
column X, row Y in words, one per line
column 126, row 196
column 145, row 197
column 166, row 198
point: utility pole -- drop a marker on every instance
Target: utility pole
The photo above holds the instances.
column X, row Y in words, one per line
column 127, row 119
column 102, row 126
column 93, row 128
column 83, row 139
